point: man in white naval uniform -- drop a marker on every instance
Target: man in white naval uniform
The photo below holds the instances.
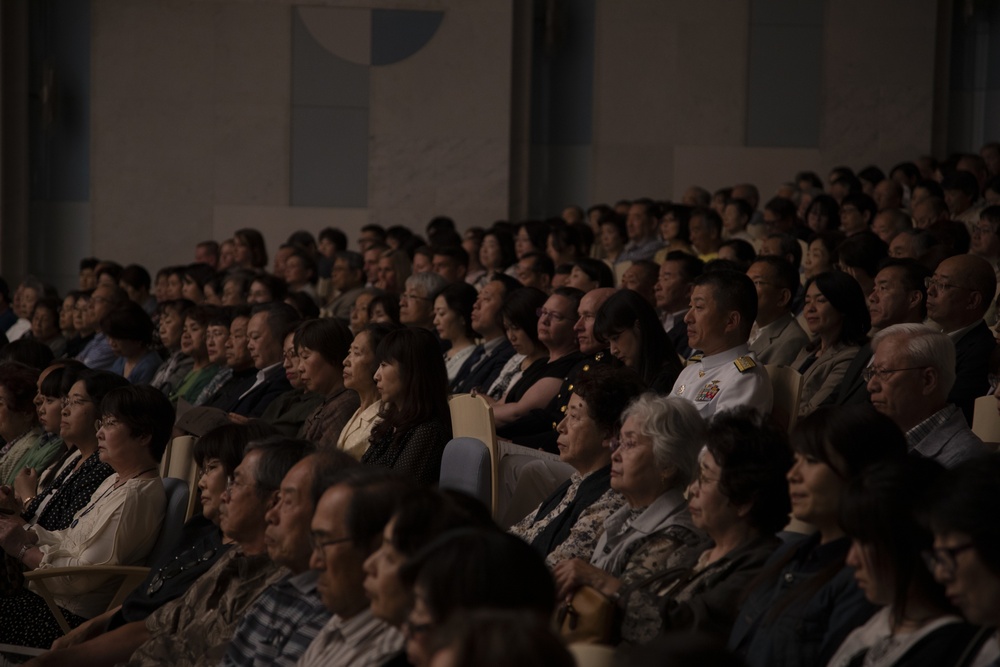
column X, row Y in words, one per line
column 723, row 309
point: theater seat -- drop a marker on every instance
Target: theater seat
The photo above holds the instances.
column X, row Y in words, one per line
column 786, row 384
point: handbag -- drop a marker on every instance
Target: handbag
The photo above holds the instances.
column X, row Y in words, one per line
column 588, row 617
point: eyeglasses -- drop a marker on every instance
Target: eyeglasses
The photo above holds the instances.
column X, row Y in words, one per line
column 75, row 403
column 943, row 560
column 550, row 314
column 937, row 284
column 704, row 480
column 883, row 373
column 318, row 542
column 105, row 422
column 980, row 230
column 624, row 444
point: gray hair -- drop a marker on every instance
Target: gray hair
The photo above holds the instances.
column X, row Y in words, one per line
column 924, row 346
column 677, row 430
column 431, row 283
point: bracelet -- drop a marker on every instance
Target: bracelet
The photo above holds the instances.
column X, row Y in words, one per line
column 24, row 550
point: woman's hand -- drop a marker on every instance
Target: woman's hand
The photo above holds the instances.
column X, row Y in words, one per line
column 571, row 574
column 26, row 483
column 13, row 536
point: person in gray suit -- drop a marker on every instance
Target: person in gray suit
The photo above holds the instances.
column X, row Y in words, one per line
column 911, row 374
column 777, row 337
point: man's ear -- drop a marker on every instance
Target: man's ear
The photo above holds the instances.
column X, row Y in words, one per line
column 786, row 297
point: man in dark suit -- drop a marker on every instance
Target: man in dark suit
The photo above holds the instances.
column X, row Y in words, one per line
column 898, row 297
column 269, row 324
column 488, row 359
column 958, row 295
column 673, row 293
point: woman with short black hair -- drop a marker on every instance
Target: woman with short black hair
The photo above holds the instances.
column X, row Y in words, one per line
column 130, row 332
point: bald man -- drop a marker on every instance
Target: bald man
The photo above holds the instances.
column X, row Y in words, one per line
column 958, row 295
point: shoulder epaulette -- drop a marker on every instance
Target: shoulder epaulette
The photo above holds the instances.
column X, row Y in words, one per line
column 745, row 363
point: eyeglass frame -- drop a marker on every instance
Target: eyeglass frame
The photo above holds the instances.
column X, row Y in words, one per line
column 938, row 284
column 102, row 422
column 882, row 374
column 320, row 547
column 944, row 558
column 541, row 313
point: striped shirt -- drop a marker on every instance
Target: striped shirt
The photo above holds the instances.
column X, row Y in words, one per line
column 360, row 641
column 280, row 625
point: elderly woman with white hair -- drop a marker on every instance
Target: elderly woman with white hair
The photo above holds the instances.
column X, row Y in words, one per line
column 654, row 460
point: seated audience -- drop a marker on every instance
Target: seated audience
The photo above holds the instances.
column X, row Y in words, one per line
column 629, row 325
column 453, row 322
column 287, row 616
column 130, row 333
column 118, row 527
column 958, row 295
column 911, row 374
column 674, row 231
column 287, row 412
column 249, row 250
column 915, row 622
column 267, row 329
column 740, row 500
column 723, row 309
column 520, row 322
column 384, row 308
column 175, row 368
column 539, row 383
column 466, row 570
column 569, row 522
column 202, row 543
column 776, row 337
column 494, row 638
column 97, row 354
column 483, row 367
column 194, row 343
column 641, row 278
column 347, row 278
column 360, row 365
column 838, row 320
column 964, row 557
column 416, row 303
column 415, row 422
column 806, row 601
column 641, row 226
column 19, row 419
column 654, row 461
column 394, row 270
column 821, row 254
column 321, row 346
column 45, row 325
column 589, row 273
column 673, row 296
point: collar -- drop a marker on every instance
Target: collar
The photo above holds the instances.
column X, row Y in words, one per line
column 725, row 357
column 916, row 434
column 958, row 333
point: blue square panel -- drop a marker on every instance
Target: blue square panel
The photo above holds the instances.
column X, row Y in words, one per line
column 329, row 157
column 397, row 34
column 784, row 79
column 322, row 78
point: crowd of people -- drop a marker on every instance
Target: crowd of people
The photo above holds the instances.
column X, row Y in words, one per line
column 631, row 342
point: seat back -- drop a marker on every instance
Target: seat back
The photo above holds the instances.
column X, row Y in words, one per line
column 472, row 417
column 986, row 419
column 592, row 655
column 786, row 385
column 173, row 518
column 181, row 465
column 466, row 466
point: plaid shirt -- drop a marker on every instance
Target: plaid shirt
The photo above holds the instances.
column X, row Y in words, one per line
column 921, row 430
column 280, row 625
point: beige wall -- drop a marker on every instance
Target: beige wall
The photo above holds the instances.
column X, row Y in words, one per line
column 191, row 124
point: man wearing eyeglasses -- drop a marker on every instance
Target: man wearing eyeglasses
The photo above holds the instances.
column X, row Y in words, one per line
column 958, row 296
column 200, row 623
column 911, row 373
column 289, row 614
column 416, row 303
column 346, row 530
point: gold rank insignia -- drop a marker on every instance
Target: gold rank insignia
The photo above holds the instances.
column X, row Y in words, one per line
column 745, row 363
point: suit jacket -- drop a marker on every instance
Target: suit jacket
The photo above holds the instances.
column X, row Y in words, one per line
column 253, row 404
column 678, row 335
column 852, row 388
column 972, row 356
column 820, row 379
column 483, row 375
column 781, row 342
column 951, row 442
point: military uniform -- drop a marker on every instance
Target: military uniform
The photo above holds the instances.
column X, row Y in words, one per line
column 725, row 381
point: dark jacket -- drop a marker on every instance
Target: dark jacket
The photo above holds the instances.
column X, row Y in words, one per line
column 972, row 356
column 808, row 630
column 852, row 388
column 254, row 403
column 482, row 375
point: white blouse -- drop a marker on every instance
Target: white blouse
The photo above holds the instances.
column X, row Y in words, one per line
column 119, row 527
